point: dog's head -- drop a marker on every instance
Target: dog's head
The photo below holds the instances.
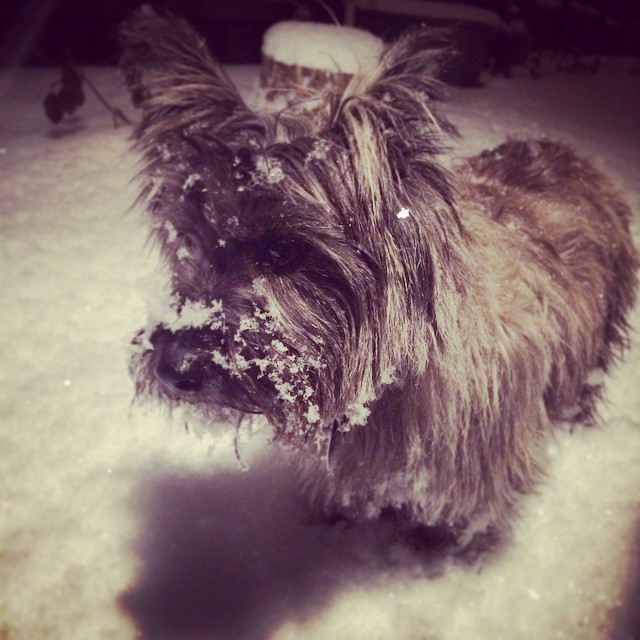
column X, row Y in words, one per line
column 304, row 252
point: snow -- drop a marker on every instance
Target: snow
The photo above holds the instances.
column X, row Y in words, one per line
column 193, row 315
column 322, row 46
column 120, row 521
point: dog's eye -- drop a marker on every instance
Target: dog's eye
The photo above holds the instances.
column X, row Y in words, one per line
column 284, row 253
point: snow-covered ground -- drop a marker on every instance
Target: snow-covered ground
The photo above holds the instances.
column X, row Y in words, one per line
column 117, row 522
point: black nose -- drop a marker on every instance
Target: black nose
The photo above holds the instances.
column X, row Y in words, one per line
column 181, row 365
column 183, row 376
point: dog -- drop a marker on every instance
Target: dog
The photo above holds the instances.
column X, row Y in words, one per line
column 413, row 333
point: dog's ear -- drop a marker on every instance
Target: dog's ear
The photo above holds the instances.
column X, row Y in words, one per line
column 389, row 123
column 177, row 83
column 401, row 90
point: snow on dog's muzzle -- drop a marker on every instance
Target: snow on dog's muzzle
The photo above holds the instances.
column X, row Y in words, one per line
column 191, row 364
column 184, row 358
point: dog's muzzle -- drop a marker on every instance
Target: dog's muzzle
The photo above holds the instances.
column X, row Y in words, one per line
column 183, row 359
column 185, row 366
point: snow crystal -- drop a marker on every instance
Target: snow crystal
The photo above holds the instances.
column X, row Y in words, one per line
column 357, row 414
column 403, row 213
column 319, row 151
column 270, row 169
column 285, row 389
column 279, row 346
column 248, row 323
column 241, row 362
column 262, row 363
column 191, row 180
column 182, row 253
column 219, row 359
column 276, row 174
column 194, row 314
column 259, row 285
column 172, row 233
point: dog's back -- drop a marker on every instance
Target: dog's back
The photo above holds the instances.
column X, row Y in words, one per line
column 568, row 222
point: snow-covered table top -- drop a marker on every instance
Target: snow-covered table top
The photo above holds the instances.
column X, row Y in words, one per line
column 322, row 46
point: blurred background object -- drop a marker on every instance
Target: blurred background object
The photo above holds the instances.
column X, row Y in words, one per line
column 37, row 32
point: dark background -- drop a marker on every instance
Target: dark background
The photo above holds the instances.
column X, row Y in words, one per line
column 36, row 32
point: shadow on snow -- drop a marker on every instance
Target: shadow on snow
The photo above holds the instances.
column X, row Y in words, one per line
column 233, row 556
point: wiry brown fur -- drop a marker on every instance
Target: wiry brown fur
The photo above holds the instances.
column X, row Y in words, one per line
column 414, row 332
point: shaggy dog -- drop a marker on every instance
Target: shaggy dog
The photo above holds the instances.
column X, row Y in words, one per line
column 413, row 332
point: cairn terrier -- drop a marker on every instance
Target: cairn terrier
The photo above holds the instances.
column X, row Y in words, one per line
column 412, row 332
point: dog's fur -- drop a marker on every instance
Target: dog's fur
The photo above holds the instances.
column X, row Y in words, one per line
column 413, row 332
